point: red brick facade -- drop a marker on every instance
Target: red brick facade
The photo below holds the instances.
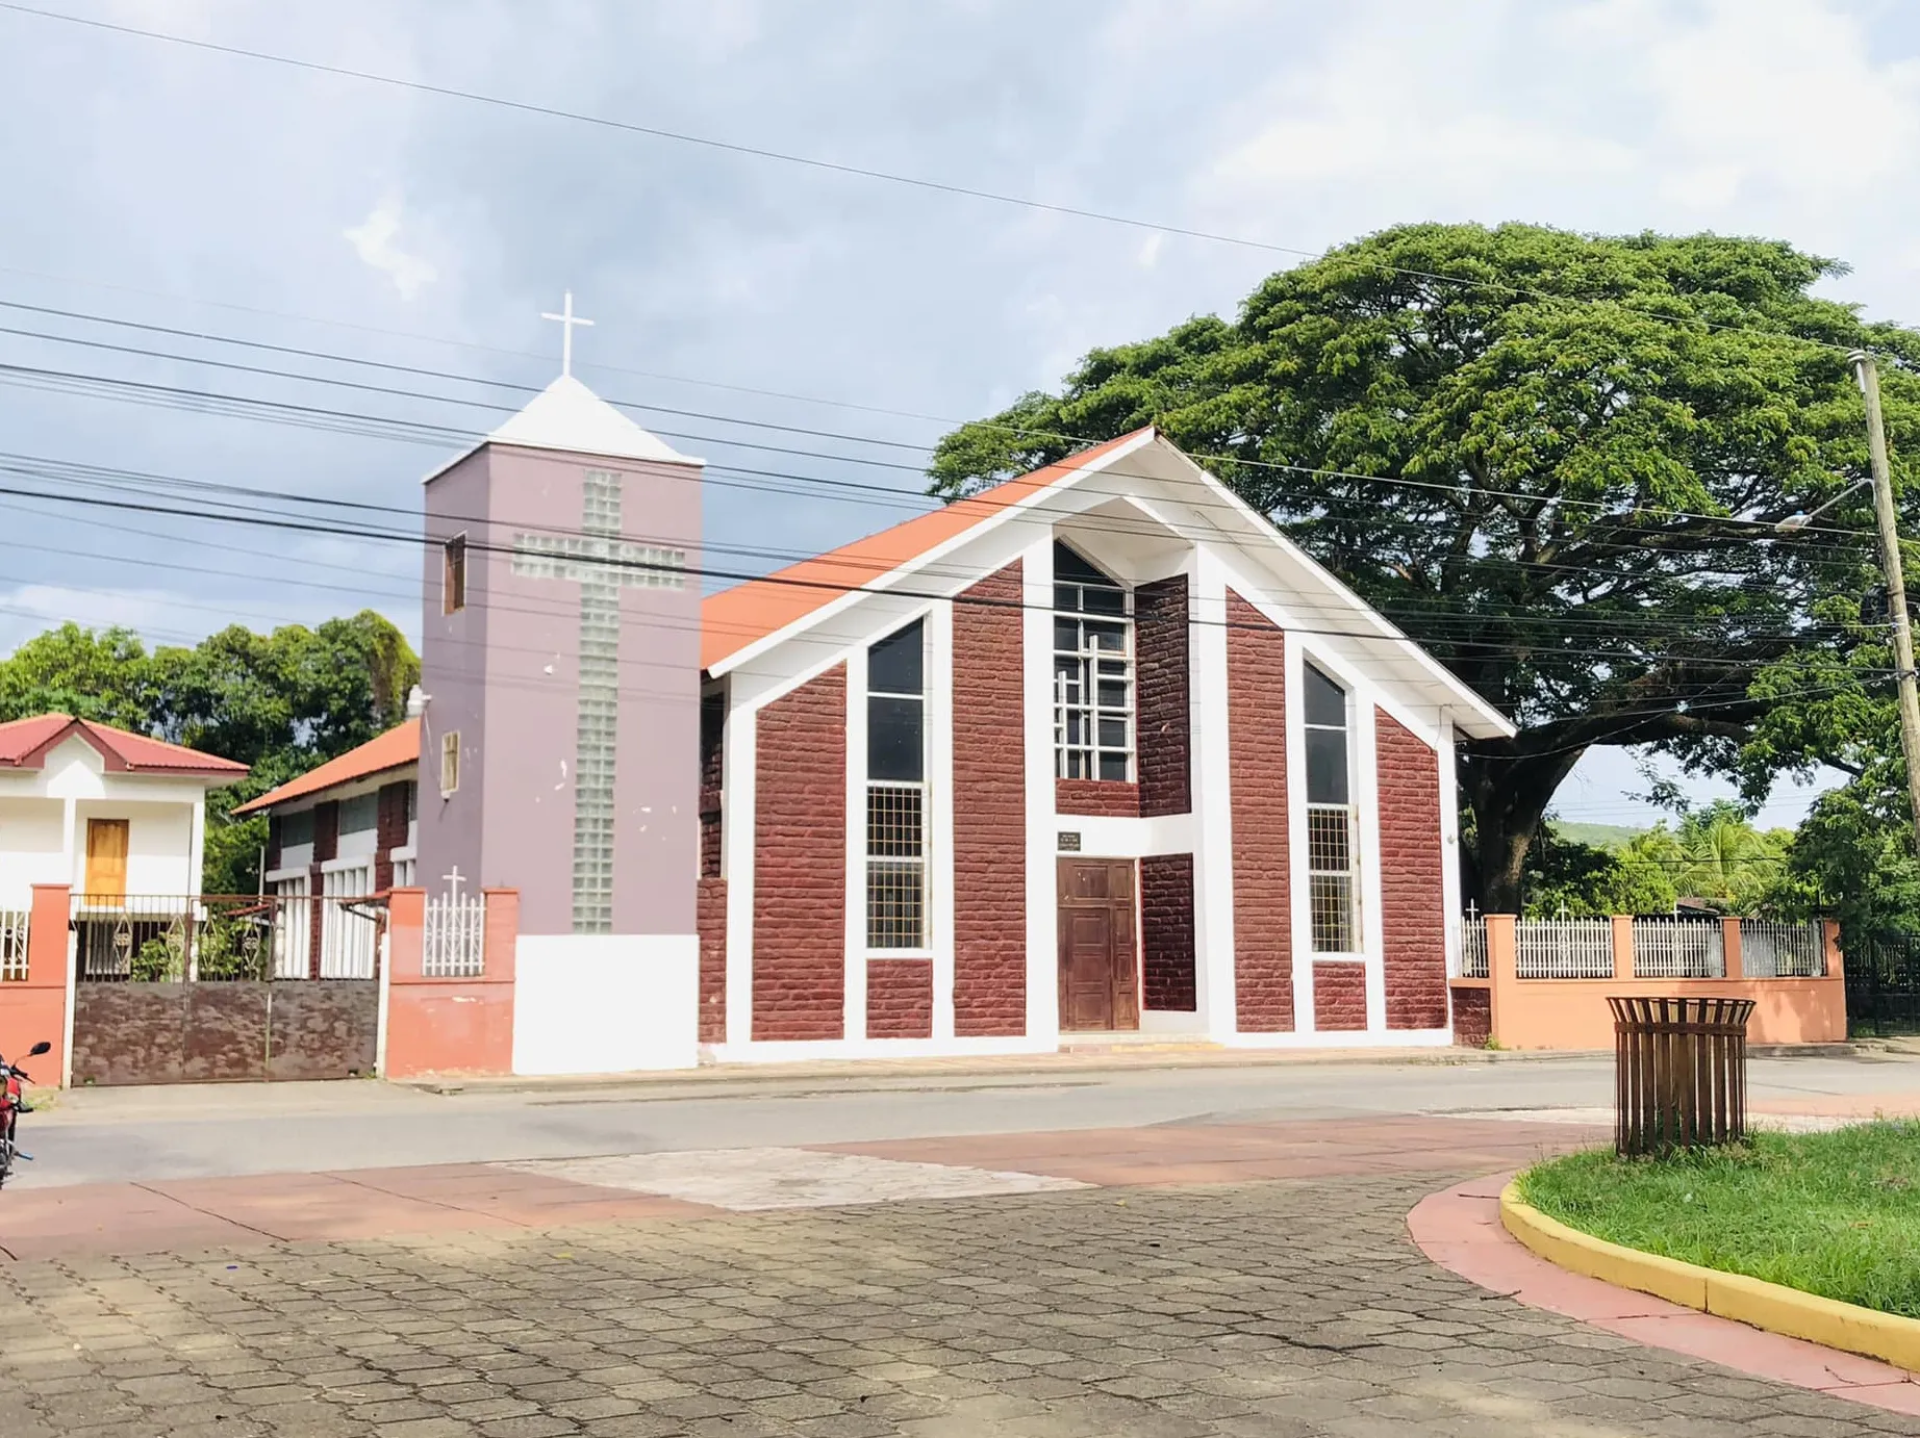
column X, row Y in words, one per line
column 1257, row 747
column 1162, row 711
column 900, row 999
column 800, row 863
column 710, row 919
column 1166, row 932
column 390, row 831
column 712, row 766
column 989, row 811
column 1097, row 798
column 1412, row 894
column 1339, row 997
column 1472, row 1017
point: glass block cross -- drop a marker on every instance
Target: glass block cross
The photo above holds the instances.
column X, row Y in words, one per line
column 602, row 563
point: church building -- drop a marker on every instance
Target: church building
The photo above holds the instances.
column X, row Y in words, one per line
column 1097, row 751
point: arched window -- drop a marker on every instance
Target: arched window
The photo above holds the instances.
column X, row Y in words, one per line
column 1092, row 671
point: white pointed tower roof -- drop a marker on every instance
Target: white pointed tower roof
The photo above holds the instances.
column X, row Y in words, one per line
column 568, row 416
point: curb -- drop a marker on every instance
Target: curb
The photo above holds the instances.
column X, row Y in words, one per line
column 1770, row 1306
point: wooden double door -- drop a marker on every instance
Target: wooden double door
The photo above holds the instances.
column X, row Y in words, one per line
column 1099, row 948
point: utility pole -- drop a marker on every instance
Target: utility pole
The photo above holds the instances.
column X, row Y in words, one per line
column 1883, row 513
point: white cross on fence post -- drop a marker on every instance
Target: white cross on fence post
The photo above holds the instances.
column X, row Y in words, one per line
column 453, row 882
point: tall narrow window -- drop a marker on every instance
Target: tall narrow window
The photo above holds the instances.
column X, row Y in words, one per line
column 1092, row 671
column 1332, row 871
column 449, row 763
column 897, row 791
column 453, row 575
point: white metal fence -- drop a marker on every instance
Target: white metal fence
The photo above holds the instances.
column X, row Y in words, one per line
column 1678, row 949
column 1775, row 949
column 1473, row 948
column 454, row 944
column 13, row 946
column 1563, row 948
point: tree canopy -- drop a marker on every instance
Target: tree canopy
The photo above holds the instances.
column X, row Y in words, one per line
column 280, row 702
column 1553, row 459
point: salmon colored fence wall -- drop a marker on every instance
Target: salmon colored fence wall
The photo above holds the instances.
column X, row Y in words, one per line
column 1572, row 1014
column 35, row 1008
column 450, row 1026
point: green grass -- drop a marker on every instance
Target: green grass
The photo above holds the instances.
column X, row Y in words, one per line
column 1837, row 1214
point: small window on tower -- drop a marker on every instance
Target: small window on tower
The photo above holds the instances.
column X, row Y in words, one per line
column 453, row 578
column 449, row 763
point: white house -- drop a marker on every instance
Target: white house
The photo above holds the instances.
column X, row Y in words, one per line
column 108, row 813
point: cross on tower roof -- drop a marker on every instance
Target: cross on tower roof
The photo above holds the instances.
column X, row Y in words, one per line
column 566, row 319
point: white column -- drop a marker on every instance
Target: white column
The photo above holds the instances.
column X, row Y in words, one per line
column 738, row 781
column 1299, row 900
column 69, row 844
column 940, row 880
column 854, row 930
column 196, row 845
column 1211, row 782
column 1450, row 844
column 1043, row 887
column 1366, row 795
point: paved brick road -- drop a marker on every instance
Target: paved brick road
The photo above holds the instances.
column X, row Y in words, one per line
column 1272, row 1309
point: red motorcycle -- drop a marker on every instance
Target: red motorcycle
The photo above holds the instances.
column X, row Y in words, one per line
column 12, row 1105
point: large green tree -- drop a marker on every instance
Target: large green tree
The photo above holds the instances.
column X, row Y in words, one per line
column 280, row 703
column 1553, row 459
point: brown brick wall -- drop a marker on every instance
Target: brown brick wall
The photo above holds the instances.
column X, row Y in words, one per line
column 1162, row 712
column 1098, row 798
column 900, row 999
column 1472, row 1017
column 1339, row 996
column 390, row 831
column 989, row 811
column 326, row 843
column 1412, row 895
column 800, row 862
column 1257, row 748
column 710, row 921
column 712, row 767
column 1166, row 932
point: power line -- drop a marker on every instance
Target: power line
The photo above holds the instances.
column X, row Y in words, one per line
column 918, row 182
column 302, row 352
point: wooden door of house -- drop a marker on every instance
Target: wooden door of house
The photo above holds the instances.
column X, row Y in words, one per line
column 107, row 861
column 1099, row 959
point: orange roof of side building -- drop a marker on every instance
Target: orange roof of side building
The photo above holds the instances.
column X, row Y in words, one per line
column 737, row 618
column 395, row 749
column 25, row 744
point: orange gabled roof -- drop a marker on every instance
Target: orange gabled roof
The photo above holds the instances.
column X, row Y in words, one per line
column 395, row 749
column 25, row 744
column 736, row 618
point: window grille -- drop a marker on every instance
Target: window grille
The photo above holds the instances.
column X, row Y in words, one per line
column 1093, row 679
column 896, row 791
column 1333, row 853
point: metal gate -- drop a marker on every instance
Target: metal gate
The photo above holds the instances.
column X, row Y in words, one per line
column 1883, row 984
column 200, row 990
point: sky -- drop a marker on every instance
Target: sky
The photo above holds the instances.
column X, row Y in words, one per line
column 218, row 195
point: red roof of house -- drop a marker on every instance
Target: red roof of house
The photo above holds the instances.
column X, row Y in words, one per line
column 395, row 749
column 744, row 615
column 25, row 744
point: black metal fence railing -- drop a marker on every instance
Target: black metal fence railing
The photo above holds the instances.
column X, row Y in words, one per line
column 144, row 938
column 1883, row 984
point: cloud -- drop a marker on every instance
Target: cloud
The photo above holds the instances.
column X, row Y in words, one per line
column 374, row 241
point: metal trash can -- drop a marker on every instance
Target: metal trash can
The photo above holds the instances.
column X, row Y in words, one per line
column 1680, row 1073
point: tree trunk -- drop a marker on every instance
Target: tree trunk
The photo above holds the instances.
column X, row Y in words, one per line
column 1508, row 794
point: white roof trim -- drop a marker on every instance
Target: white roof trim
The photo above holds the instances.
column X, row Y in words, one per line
column 1384, row 626
column 1488, row 716
column 569, row 418
column 881, row 583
